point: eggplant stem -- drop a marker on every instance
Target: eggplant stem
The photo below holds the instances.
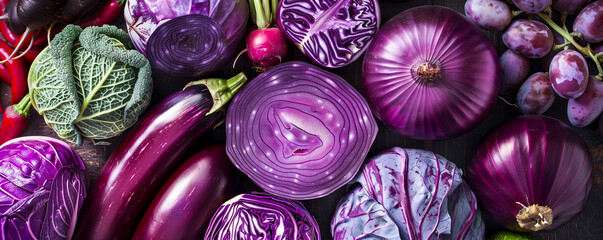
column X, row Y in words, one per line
column 23, row 36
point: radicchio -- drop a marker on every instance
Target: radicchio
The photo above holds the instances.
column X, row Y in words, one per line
column 431, row 201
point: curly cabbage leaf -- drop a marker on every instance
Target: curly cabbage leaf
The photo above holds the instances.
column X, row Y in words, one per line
column 90, row 83
column 422, row 193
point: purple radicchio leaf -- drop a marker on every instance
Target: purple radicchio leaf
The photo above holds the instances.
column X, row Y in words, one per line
column 66, row 197
column 358, row 216
column 420, row 192
column 24, row 219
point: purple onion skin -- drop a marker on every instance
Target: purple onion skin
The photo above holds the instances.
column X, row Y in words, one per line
column 531, row 159
column 187, row 200
column 258, row 216
column 298, row 131
column 143, row 161
column 536, row 94
column 529, row 38
column 408, row 194
column 426, row 107
column 569, row 6
column 589, row 21
column 514, row 70
column 585, row 109
column 532, row 6
column 489, row 14
column 569, row 74
column 143, row 16
column 330, row 33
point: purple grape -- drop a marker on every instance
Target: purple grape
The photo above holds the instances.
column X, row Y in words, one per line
column 532, row 6
column 489, row 14
column 589, row 22
column 514, row 69
column 529, row 38
column 536, row 94
column 569, row 6
column 597, row 47
column 557, row 40
column 583, row 110
column 569, row 74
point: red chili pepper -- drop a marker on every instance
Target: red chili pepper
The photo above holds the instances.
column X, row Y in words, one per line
column 31, row 55
column 5, row 75
column 106, row 15
column 18, row 72
column 14, row 120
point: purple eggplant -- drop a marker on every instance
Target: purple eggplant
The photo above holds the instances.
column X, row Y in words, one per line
column 144, row 159
column 186, row 202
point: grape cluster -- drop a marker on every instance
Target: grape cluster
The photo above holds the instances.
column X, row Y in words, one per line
column 566, row 35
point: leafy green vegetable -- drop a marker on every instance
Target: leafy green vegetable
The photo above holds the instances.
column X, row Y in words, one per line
column 506, row 235
column 90, row 83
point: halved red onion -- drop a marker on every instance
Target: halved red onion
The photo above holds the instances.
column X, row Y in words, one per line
column 430, row 73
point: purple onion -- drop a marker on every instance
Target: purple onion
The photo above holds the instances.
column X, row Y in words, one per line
column 330, row 33
column 430, row 73
column 255, row 216
column 532, row 162
column 298, row 131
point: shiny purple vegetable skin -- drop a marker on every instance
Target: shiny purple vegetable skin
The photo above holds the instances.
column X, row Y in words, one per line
column 262, row 216
column 298, row 131
column 408, row 194
column 143, row 161
column 143, row 16
column 430, row 73
column 43, row 184
column 184, row 205
column 330, row 33
column 531, row 160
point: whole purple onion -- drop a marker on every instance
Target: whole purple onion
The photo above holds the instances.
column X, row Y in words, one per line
column 408, row 194
column 430, row 73
column 330, row 33
column 260, row 216
column 298, row 131
column 532, row 173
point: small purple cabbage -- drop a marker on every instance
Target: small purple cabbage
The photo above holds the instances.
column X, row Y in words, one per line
column 330, row 33
column 262, row 216
column 42, row 187
column 144, row 16
column 433, row 201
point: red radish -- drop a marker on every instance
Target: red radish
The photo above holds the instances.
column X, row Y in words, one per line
column 266, row 45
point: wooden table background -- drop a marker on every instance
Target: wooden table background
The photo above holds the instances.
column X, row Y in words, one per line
column 587, row 225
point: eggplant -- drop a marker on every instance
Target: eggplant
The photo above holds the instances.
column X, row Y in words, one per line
column 186, row 202
column 145, row 158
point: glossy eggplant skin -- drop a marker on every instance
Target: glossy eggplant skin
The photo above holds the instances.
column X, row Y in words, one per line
column 186, row 202
column 143, row 161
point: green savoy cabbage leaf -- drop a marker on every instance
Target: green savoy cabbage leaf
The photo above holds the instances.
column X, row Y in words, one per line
column 90, row 83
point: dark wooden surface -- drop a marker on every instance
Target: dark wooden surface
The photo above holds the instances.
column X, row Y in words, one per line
column 587, row 225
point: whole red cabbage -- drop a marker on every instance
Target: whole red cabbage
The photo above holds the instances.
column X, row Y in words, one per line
column 530, row 161
column 430, row 73
column 408, row 194
column 261, row 216
column 42, row 188
column 298, row 131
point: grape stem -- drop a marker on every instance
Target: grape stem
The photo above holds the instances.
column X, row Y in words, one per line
column 586, row 51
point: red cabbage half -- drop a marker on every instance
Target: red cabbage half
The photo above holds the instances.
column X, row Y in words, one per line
column 431, row 73
column 532, row 160
column 298, row 131
column 408, row 194
column 144, row 16
column 261, row 216
column 330, row 33
column 42, row 188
